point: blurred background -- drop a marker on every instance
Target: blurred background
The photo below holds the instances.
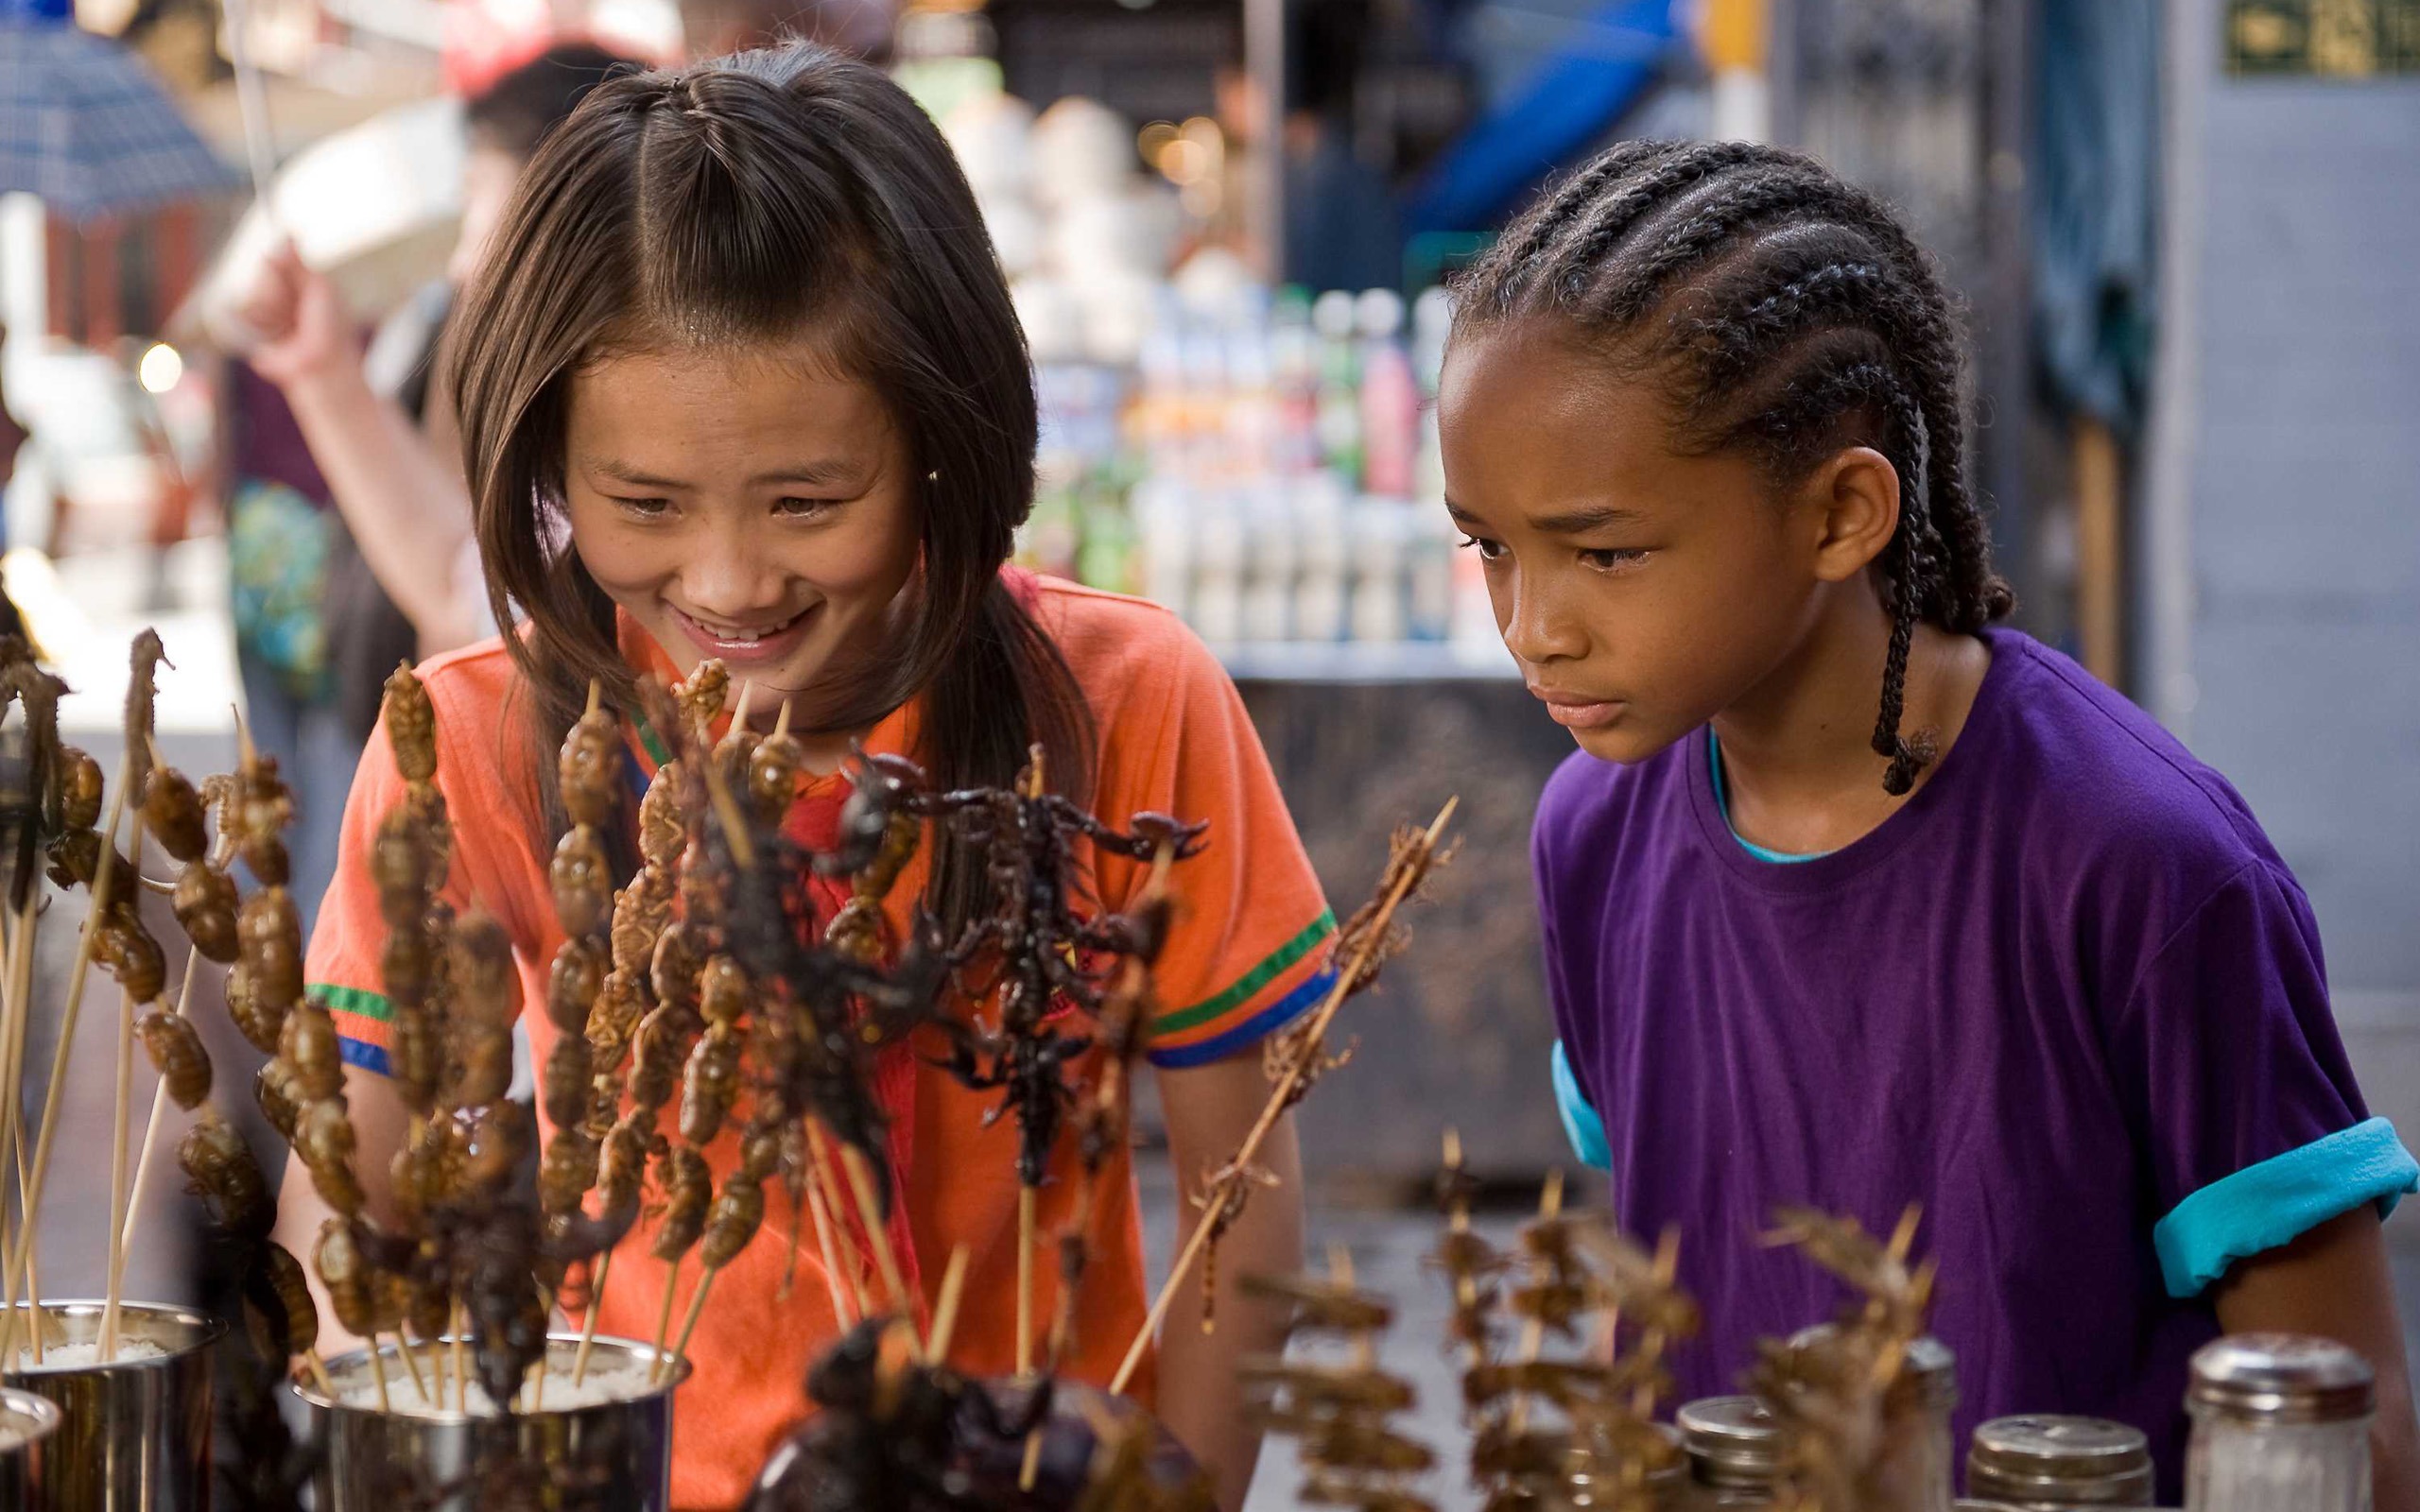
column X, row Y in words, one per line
column 2182, row 228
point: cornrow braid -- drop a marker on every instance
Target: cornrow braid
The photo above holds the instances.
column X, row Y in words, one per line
column 1788, row 314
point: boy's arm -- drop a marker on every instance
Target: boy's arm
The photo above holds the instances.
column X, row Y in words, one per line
column 1209, row 1111
column 2334, row 1282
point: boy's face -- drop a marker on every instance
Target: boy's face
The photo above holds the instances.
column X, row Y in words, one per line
column 1642, row 592
column 749, row 506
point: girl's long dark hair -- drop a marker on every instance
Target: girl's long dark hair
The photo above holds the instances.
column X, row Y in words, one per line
column 754, row 199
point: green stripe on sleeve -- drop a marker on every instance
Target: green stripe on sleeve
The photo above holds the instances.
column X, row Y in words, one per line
column 1251, row 982
column 351, row 999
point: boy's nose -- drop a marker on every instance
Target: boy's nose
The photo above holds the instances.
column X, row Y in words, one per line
column 1538, row 627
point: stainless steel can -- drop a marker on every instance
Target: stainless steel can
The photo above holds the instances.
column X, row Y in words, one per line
column 2279, row 1420
column 1918, row 1459
column 26, row 1421
column 2048, row 1462
column 133, row 1434
column 617, row 1455
column 1733, row 1443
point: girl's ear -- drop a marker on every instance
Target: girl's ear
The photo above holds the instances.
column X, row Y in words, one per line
column 1854, row 494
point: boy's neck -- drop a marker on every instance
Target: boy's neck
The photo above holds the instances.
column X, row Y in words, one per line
column 1798, row 750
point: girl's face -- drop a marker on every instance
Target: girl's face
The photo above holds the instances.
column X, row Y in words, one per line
column 1642, row 592
column 746, row 505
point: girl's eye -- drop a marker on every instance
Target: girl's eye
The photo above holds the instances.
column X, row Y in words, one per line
column 1612, row 559
column 1488, row 550
column 801, row 509
column 644, row 509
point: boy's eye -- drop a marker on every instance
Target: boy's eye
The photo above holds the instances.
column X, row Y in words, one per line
column 1612, row 559
column 1488, row 550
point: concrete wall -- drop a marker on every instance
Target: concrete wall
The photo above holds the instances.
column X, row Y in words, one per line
column 2282, row 549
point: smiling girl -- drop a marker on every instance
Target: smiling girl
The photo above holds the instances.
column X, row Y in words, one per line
column 740, row 380
column 1853, row 897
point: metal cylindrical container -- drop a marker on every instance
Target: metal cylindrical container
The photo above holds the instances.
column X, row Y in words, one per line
column 133, row 1434
column 1733, row 1446
column 617, row 1451
column 26, row 1421
column 1919, row 1466
column 2279, row 1420
column 2052, row 1463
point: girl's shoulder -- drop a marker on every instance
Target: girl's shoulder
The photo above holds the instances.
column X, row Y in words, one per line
column 1128, row 654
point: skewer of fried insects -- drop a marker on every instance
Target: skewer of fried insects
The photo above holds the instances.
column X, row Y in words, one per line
column 1361, row 946
column 105, row 879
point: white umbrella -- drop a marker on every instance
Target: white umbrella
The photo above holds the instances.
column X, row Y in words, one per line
column 377, row 207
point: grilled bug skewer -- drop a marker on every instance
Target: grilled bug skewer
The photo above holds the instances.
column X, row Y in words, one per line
column 1361, row 949
column 1351, row 1454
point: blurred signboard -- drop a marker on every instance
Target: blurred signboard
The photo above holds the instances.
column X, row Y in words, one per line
column 2345, row 39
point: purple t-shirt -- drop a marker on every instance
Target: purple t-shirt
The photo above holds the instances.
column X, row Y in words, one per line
column 2067, row 997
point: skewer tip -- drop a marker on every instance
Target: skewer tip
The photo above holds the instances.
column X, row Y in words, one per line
column 595, row 696
column 245, row 754
column 739, row 709
column 781, row 719
column 1444, row 817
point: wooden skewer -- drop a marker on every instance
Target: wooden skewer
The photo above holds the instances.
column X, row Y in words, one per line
column 379, row 1371
column 827, row 1182
column 739, row 709
column 861, row 1172
column 697, row 1306
column 113, row 1271
column 411, row 1364
column 461, row 1326
column 820, row 1213
column 150, row 1131
column 118, row 1172
column 1533, row 1330
column 595, row 696
column 588, row 1324
column 1025, row 1196
column 17, row 983
column 663, row 1318
column 781, row 719
column 945, row 1308
column 318, row 1369
column 1281, row 1096
column 104, row 878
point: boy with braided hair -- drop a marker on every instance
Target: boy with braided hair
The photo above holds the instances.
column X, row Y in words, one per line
column 1854, row 897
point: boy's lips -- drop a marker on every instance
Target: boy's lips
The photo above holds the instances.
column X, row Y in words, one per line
column 1576, row 711
column 761, row 646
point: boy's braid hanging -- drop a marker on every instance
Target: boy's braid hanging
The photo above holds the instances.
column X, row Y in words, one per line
column 1789, row 312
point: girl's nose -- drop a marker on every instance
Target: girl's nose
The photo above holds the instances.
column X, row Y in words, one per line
column 731, row 574
column 1538, row 624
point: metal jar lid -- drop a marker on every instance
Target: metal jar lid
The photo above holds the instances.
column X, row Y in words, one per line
column 1928, row 1378
column 1733, row 1441
column 2281, row 1378
column 2057, row 1461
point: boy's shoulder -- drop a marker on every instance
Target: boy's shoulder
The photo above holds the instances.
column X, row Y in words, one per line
column 2090, row 769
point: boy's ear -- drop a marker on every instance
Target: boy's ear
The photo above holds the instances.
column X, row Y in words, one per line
column 1854, row 496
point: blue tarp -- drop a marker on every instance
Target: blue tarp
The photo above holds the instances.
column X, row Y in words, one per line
column 1611, row 61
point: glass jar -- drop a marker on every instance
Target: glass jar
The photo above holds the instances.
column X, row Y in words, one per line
column 1917, row 1466
column 1735, row 1450
column 2279, row 1420
column 2041, row 1463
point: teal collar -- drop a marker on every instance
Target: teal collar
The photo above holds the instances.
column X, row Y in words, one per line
column 1722, row 806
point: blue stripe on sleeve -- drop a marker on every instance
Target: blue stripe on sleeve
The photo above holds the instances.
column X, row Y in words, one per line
column 2277, row 1201
column 367, row 1057
column 1580, row 1125
column 1305, row 996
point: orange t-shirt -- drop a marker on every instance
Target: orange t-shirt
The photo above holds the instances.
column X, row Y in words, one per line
column 1244, row 958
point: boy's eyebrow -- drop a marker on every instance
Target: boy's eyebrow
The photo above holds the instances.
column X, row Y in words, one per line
column 1579, row 521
